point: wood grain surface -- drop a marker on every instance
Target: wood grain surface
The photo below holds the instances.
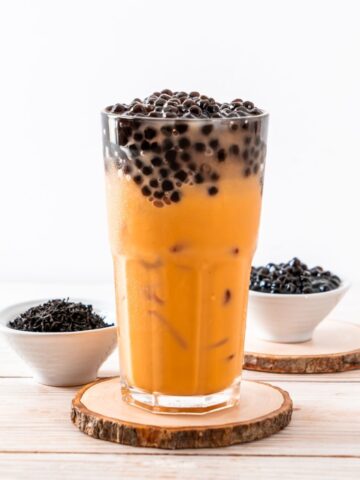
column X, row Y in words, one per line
column 335, row 347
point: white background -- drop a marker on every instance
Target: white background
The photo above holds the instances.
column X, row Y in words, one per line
column 62, row 61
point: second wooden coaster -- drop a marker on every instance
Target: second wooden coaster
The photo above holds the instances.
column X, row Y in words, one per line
column 99, row 411
column 335, row 347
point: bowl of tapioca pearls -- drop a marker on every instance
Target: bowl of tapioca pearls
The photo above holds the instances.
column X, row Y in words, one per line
column 288, row 300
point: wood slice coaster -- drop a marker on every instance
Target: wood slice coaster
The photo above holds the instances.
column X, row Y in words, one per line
column 335, row 347
column 99, row 411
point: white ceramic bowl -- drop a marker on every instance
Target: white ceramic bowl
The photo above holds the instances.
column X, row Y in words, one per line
column 61, row 359
column 290, row 318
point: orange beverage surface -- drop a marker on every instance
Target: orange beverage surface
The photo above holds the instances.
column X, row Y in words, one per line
column 181, row 277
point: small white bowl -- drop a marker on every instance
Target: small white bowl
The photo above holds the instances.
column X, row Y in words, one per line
column 290, row 318
column 61, row 359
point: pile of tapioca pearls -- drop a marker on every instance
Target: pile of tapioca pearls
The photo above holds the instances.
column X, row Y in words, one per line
column 169, row 104
column 160, row 158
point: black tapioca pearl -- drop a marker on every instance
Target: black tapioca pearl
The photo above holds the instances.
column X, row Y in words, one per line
column 122, row 138
column 164, row 172
column 150, row 133
column 181, row 175
column 200, row 147
column 175, row 196
column 138, row 179
column 184, row 143
column 170, row 115
column 171, row 155
column 165, row 96
column 214, row 177
column 248, row 105
column 203, row 104
column 252, row 150
column 181, row 128
column 170, row 108
column 155, row 114
column 192, row 166
column 234, row 149
column 256, row 168
column 221, row 155
column 138, row 136
column 137, row 108
column 154, row 183
column 256, row 154
column 257, row 141
column 245, row 125
column 247, row 140
column 195, row 110
column 213, row 190
column 145, row 145
column 158, row 194
column 127, row 169
column 185, row 156
column 147, row 170
column 199, row 178
column 167, row 185
column 166, row 91
column 155, row 147
column 135, row 124
column 212, row 108
column 117, row 108
column 127, row 130
column 247, row 172
column 306, row 290
column 234, row 126
column 194, row 94
column 138, row 163
column 188, row 103
column 246, row 155
column 214, row 143
column 160, row 102
column 174, row 165
column 156, row 161
column 146, row 191
column 227, row 296
column 167, row 144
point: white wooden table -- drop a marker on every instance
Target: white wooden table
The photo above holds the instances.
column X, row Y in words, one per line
column 38, row 440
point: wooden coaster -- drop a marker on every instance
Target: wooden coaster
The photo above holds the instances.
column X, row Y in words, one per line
column 99, row 411
column 335, row 347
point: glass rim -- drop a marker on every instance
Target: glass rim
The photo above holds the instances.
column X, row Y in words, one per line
column 262, row 115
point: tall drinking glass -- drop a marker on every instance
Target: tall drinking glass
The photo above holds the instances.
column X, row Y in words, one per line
column 184, row 199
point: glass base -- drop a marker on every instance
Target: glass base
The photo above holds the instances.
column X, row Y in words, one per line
column 171, row 404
